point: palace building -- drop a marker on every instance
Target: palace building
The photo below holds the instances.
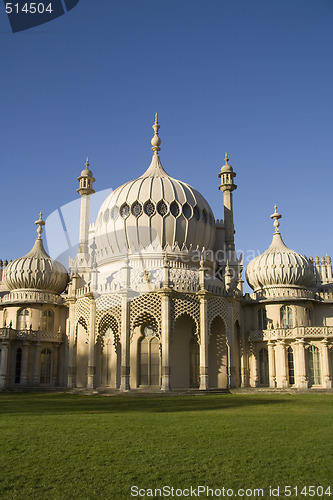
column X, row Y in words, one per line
column 154, row 299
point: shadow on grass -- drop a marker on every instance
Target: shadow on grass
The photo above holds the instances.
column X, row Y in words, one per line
column 55, row 403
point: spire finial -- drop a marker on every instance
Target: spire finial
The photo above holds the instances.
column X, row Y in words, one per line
column 40, row 223
column 226, row 159
column 156, row 141
column 87, row 162
column 276, row 218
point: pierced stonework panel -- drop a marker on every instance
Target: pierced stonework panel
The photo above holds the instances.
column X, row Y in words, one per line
column 136, row 209
column 82, row 310
column 217, row 306
column 114, row 212
column 186, row 304
column 109, row 322
column 147, row 322
column 149, row 208
column 162, row 208
column 106, row 215
column 124, row 211
column 187, row 211
column 174, row 209
column 108, row 304
column 146, row 309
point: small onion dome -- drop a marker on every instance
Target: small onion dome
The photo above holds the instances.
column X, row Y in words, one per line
column 86, row 172
column 36, row 270
column 279, row 266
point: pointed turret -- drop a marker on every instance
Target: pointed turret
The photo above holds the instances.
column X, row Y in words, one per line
column 227, row 185
column 86, row 180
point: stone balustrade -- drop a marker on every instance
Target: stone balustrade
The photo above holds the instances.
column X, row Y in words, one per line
column 30, row 335
column 291, row 333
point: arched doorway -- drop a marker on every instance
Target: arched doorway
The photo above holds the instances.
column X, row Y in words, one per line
column 218, row 355
column 149, row 358
column 108, row 358
column 291, row 367
column 18, row 365
column 184, row 354
column 313, row 365
column 45, row 367
column 263, row 367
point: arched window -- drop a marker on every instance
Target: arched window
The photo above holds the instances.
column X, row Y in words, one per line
column 291, row 369
column 314, row 368
column 45, row 366
column 308, row 316
column 23, row 319
column 194, row 362
column 5, row 315
column 286, row 317
column 262, row 318
column 263, row 367
column 48, row 321
column 149, row 358
column 18, row 365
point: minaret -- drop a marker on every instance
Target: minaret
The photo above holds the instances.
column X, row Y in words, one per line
column 86, row 180
column 227, row 176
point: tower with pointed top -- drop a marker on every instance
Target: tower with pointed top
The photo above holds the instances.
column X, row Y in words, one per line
column 227, row 185
column 86, row 181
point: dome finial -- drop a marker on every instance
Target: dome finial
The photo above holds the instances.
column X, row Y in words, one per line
column 226, row 159
column 40, row 223
column 87, row 162
column 276, row 218
column 156, row 141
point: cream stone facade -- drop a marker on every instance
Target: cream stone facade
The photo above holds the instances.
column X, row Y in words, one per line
column 154, row 300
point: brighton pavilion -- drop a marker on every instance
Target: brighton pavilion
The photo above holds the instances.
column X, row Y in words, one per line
column 153, row 299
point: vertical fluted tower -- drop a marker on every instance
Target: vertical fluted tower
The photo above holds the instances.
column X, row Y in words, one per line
column 86, row 180
column 227, row 176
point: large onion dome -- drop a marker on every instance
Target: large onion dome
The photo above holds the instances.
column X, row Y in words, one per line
column 278, row 266
column 36, row 270
column 154, row 211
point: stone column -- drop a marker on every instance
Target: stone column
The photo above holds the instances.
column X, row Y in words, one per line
column 55, row 362
column 71, row 345
column 271, row 364
column 327, row 381
column 36, row 373
column 254, row 378
column 166, row 330
column 281, row 365
column 91, row 352
column 24, row 365
column 4, row 364
column 125, row 344
column 301, row 381
column 204, row 369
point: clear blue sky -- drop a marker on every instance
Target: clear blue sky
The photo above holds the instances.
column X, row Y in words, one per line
column 250, row 77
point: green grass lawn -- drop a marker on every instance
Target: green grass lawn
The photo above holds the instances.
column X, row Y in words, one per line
column 63, row 446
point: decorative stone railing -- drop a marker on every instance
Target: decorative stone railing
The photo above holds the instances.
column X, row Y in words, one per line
column 297, row 332
column 30, row 335
column 35, row 296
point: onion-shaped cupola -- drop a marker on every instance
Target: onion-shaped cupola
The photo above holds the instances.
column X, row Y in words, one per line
column 153, row 211
column 36, row 270
column 86, row 181
column 279, row 267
